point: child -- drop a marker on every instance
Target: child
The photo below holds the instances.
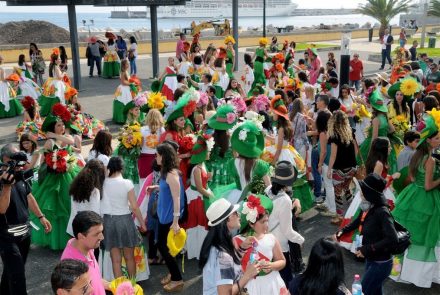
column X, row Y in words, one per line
column 29, row 146
column 411, row 140
column 249, row 73
column 181, row 82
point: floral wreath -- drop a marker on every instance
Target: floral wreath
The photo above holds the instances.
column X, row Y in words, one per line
column 204, row 99
column 252, row 209
column 229, row 39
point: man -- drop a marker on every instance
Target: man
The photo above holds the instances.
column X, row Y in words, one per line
column 434, row 75
column 211, row 94
column 386, row 42
column 71, row 277
column 423, row 61
column 334, row 90
column 330, row 67
column 87, row 228
column 356, row 72
column 204, row 84
column 180, row 46
column 413, row 50
column 15, row 233
column 94, row 56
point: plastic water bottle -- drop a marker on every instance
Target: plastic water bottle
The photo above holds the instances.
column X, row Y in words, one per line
column 254, row 256
column 356, row 288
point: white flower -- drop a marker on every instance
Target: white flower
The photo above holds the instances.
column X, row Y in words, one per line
column 251, row 214
column 210, row 144
column 242, row 135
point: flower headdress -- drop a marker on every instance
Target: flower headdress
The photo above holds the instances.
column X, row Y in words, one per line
column 409, row 86
column 56, row 51
column 221, row 52
column 278, row 57
column 261, row 102
column 239, row 104
column 28, row 102
column 201, row 148
column 252, row 209
column 263, row 41
column 187, row 143
column 229, row 39
column 203, row 100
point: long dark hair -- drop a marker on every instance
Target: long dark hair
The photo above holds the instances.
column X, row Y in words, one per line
column 102, row 144
column 21, row 59
column 169, row 159
column 378, row 152
column 221, row 140
column 404, row 106
column 63, row 54
column 416, row 160
column 325, row 270
column 287, row 126
column 115, row 165
column 27, row 137
column 30, row 50
column 322, row 121
column 249, row 164
column 132, row 39
column 276, row 188
column 219, row 237
column 89, row 178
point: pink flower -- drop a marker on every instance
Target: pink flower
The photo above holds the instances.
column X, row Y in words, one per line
column 261, row 102
column 239, row 104
column 203, row 99
column 125, row 288
column 230, row 118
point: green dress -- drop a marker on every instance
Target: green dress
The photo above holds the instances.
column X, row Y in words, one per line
column 52, row 195
column 230, row 63
column 259, row 76
column 218, row 167
column 418, row 211
column 365, row 146
column 15, row 109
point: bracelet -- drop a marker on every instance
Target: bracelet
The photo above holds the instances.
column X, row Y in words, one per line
column 42, row 216
column 176, row 214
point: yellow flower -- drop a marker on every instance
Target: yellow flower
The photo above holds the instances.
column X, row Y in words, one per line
column 156, row 101
column 229, row 39
column 408, row 87
column 400, row 118
column 436, row 115
column 263, row 41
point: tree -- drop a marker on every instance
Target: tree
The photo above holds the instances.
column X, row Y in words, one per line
column 384, row 10
column 434, row 8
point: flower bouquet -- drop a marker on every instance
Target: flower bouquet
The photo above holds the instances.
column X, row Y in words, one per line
column 400, row 124
column 186, row 143
column 130, row 140
column 58, row 161
column 124, row 286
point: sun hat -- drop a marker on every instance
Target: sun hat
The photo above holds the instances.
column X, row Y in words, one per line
column 382, row 76
column 219, row 211
column 248, row 140
column 224, row 119
column 313, row 51
column 372, row 188
column 285, row 173
column 430, row 125
column 201, row 148
column 59, row 112
column 408, row 86
column 278, row 107
column 176, row 242
column 184, row 107
column 377, row 102
column 252, row 207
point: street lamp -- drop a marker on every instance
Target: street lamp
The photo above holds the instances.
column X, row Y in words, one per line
column 264, row 18
column 91, row 23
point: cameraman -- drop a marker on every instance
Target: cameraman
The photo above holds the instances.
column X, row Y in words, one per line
column 15, row 232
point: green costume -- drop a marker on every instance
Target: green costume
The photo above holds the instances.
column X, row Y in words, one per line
column 230, row 63
column 260, row 78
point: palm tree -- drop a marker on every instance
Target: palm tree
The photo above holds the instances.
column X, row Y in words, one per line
column 434, row 8
column 384, row 10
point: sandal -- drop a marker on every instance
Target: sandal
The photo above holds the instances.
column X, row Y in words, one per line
column 336, row 220
column 166, row 280
column 174, row 287
column 156, row 261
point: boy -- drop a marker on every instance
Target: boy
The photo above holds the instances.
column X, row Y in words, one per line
column 410, row 139
column 205, row 82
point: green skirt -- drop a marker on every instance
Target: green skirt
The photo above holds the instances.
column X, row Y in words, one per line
column 111, row 69
column 53, row 198
column 46, row 103
column 230, row 70
column 119, row 116
column 15, row 109
column 302, row 192
column 259, row 77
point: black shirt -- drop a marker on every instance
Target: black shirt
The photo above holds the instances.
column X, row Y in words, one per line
column 17, row 212
column 345, row 156
column 413, row 51
column 332, row 73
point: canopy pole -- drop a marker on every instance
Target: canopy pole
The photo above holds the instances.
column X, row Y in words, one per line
column 154, row 40
column 235, row 29
column 71, row 10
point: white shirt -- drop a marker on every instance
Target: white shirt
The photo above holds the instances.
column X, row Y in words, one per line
column 133, row 47
column 385, row 38
column 92, row 205
column 280, row 220
column 115, row 196
column 149, row 140
column 203, row 87
column 100, row 157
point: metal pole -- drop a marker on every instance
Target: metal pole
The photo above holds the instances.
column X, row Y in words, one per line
column 264, row 18
column 154, row 40
column 425, row 15
column 235, row 29
column 74, row 45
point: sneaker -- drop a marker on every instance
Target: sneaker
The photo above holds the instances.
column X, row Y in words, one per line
column 336, row 220
column 329, row 214
column 319, row 200
column 321, row 207
column 381, row 69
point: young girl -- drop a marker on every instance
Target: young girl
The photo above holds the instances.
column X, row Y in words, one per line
column 168, row 80
column 234, row 89
column 26, row 86
column 260, row 56
column 199, row 196
column 102, row 147
column 230, row 56
column 124, row 94
column 112, row 64
column 31, row 119
column 25, row 67
column 29, row 146
column 248, row 74
column 9, row 105
column 266, row 251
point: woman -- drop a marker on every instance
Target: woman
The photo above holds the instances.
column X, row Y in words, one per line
column 348, row 102
column 342, row 164
column 282, row 220
column 151, row 132
column 28, row 145
column 324, row 274
column 260, row 56
column 112, row 63
column 26, row 86
column 274, row 44
column 124, row 94
column 398, row 110
column 25, row 67
column 54, row 178
column 332, row 59
column 315, row 65
column 376, row 226
column 230, row 56
column 9, row 105
column 234, row 89
column 299, row 125
column 169, row 209
column 120, row 231
column 64, row 59
column 132, row 55
column 31, row 119
column 418, row 210
column 168, row 80
column 102, row 147
column 37, row 62
column 402, row 38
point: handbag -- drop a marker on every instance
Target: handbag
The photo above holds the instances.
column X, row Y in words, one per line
column 403, row 239
column 130, row 55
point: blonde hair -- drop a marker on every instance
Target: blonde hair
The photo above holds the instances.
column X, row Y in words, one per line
column 309, row 90
column 339, row 127
column 154, row 120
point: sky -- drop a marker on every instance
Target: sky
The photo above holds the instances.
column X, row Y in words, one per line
column 305, row 4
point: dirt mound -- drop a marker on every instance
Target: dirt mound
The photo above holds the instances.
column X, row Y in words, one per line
column 24, row 32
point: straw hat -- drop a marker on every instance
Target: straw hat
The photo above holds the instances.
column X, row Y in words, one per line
column 382, row 76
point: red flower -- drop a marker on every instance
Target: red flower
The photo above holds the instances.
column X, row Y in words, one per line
column 28, row 102
column 60, row 163
column 185, row 144
column 62, row 112
column 189, row 108
column 255, row 203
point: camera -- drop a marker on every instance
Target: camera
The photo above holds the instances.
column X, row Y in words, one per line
column 18, row 159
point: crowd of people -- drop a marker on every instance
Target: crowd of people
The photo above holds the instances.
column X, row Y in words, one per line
column 220, row 164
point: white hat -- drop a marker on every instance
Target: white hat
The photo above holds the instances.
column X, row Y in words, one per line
column 219, row 211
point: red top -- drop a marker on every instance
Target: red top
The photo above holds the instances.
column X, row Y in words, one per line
column 357, row 68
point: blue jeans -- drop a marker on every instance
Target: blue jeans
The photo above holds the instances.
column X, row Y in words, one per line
column 316, row 176
column 133, row 69
column 386, row 54
column 356, row 84
column 375, row 275
column 93, row 60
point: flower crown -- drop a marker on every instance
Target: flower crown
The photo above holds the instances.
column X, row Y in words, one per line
column 61, row 112
column 56, row 51
column 229, row 39
column 252, row 209
column 263, row 41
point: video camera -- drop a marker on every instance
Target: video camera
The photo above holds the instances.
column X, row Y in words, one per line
column 18, row 159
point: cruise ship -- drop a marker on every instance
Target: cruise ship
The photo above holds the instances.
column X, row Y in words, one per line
column 214, row 9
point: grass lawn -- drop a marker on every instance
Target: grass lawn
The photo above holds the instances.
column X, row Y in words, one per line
column 432, row 52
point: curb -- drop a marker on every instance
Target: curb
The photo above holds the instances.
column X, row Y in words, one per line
column 330, row 48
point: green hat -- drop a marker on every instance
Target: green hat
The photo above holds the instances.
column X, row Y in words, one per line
column 189, row 123
column 377, row 102
column 248, row 140
column 224, row 119
column 430, row 126
column 155, row 86
column 128, row 107
column 257, row 89
column 251, row 208
column 182, row 108
column 397, row 87
column 313, row 50
column 201, row 148
column 59, row 112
